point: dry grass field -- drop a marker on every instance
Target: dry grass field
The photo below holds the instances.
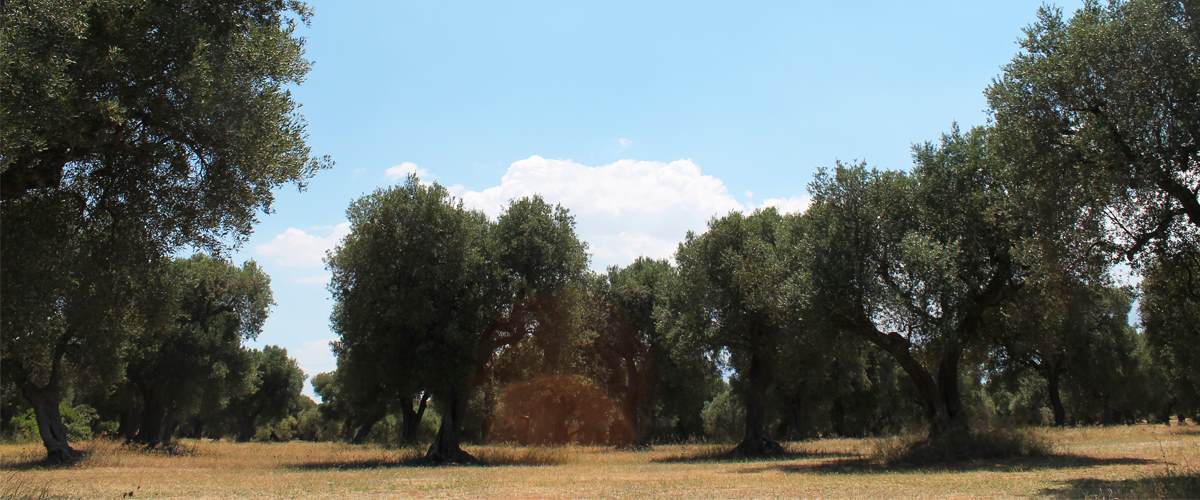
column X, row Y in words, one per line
column 1114, row 462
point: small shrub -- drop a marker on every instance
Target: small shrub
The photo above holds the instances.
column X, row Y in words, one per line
column 78, row 420
column 724, row 417
column 986, row 444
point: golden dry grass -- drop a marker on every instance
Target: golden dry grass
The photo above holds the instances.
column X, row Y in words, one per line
column 1136, row 461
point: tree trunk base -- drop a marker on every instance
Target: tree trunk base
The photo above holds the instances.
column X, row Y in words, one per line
column 437, row 455
column 758, row 447
column 63, row 456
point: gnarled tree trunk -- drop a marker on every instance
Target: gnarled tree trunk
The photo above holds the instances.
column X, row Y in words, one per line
column 45, row 401
column 447, row 446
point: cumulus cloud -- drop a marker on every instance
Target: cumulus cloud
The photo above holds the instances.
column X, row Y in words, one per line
column 624, row 209
column 296, row 247
column 403, row 170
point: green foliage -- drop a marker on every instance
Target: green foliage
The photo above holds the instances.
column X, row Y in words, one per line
column 78, row 420
column 188, row 359
column 1099, row 112
column 275, row 383
column 739, row 294
column 129, row 130
column 988, row 444
column 1170, row 311
column 426, row 292
column 724, row 417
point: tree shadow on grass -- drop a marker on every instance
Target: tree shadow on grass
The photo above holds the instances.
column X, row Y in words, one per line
column 353, row 464
column 860, row 465
column 511, row 457
column 723, row 455
column 39, row 462
column 1159, row 486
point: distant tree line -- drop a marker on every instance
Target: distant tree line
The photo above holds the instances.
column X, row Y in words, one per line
column 976, row 287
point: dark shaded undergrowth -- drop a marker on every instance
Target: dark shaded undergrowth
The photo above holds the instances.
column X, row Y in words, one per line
column 724, row 454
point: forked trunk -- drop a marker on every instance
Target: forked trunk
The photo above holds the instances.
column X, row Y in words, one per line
column 45, row 401
column 447, row 447
column 411, row 420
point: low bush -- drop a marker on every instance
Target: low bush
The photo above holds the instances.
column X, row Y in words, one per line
column 994, row 443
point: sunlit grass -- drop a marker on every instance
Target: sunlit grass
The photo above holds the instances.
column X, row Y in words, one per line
column 1135, row 461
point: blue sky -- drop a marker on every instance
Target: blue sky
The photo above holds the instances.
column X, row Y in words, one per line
column 645, row 118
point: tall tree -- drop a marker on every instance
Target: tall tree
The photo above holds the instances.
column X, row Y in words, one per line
column 1103, row 110
column 128, row 130
column 738, row 286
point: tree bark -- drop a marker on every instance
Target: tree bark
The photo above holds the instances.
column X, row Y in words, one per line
column 153, row 414
column 755, row 441
column 197, row 428
column 411, row 419
column 246, row 428
column 1055, row 394
column 364, row 429
column 940, row 396
column 952, row 421
column 446, row 447
column 45, row 401
column 128, row 425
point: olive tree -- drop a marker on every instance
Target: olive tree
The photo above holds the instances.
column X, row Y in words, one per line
column 434, row 291
column 738, row 297
column 916, row 262
column 127, row 131
column 189, row 359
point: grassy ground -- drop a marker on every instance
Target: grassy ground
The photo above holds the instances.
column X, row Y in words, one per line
column 1137, row 461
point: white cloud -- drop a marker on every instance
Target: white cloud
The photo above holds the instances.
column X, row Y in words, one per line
column 403, row 170
column 624, row 143
column 298, row 248
column 792, row 205
column 624, row 209
column 314, row 356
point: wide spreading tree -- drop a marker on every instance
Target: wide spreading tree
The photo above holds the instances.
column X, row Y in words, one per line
column 434, row 291
column 918, row 263
column 127, row 131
